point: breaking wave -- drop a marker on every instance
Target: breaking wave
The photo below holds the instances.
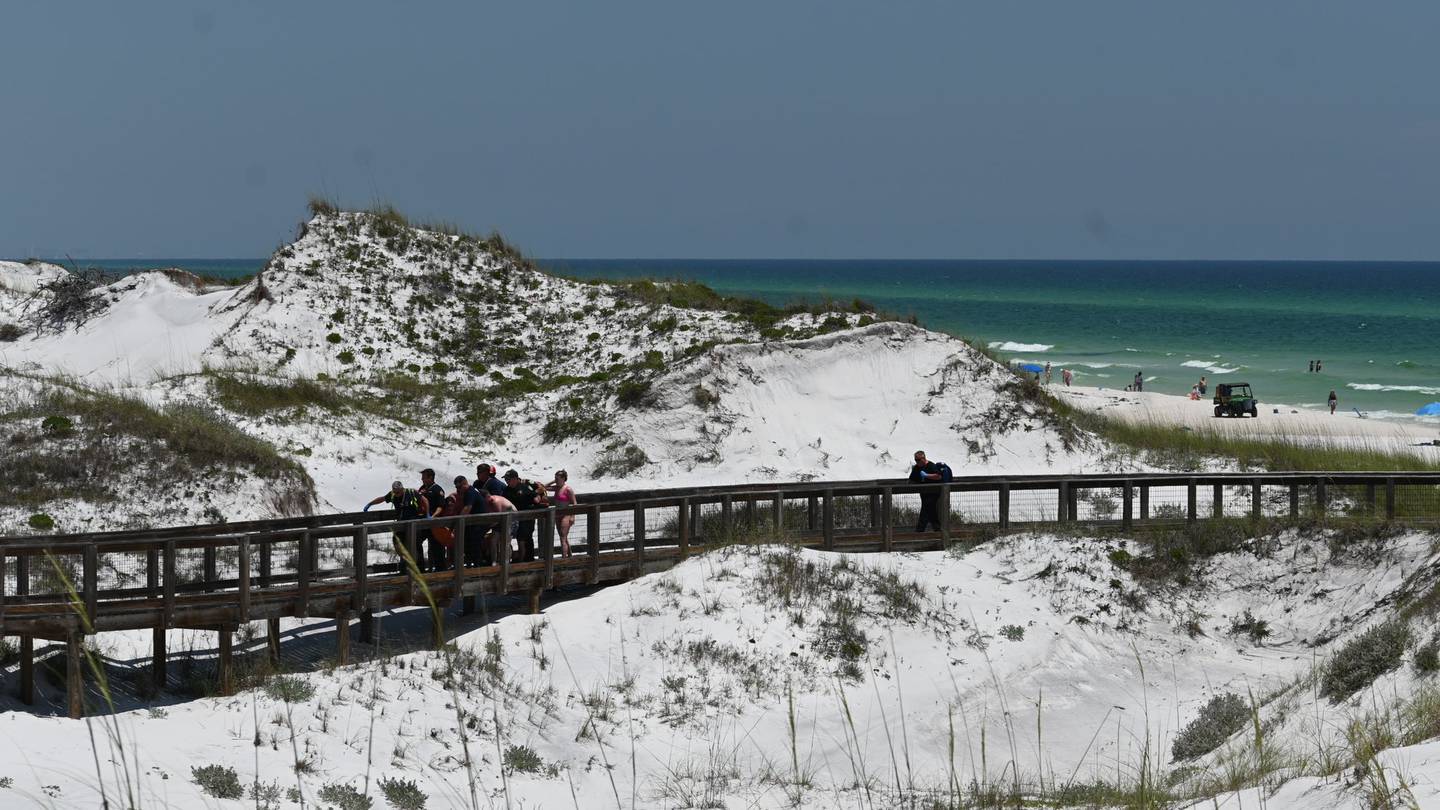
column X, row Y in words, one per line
column 1414, row 389
column 1012, row 346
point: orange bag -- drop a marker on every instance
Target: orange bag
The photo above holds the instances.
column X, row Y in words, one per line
column 446, row 536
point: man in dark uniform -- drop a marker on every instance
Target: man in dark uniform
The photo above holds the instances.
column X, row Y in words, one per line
column 525, row 495
column 408, row 504
column 435, row 498
column 926, row 472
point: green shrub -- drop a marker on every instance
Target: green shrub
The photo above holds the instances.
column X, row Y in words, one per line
column 289, row 690
column 333, row 337
column 1365, row 658
column 346, row 356
column 1256, row 629
column 523, row 759
column 704, row 397
column 41, row 522
column 1427, row 658
column 402, row 794
column 344, row 797
column 1013, row 632
column 1221, row 717
column 10, row 332
column 57, row 426
column 664, row 325
column 620, row 458
column 632, row 393
column 219, row 781
column 255, row 395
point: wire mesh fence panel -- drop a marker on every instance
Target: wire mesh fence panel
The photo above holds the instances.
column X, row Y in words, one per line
column 122, row 570
column 617, row 530
column 1414, row 502
column 334, row 555
column 853, row 512
column 1034, row 506
column 284, row 560
column 981, row 506
column 190, row 566
column 1106, row 503
column 1169, row 502
column 662, row 525
column 52, row 576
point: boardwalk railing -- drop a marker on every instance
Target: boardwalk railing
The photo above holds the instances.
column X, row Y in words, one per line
column 216, row 577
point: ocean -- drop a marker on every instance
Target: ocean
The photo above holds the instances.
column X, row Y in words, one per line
column 1374, row 326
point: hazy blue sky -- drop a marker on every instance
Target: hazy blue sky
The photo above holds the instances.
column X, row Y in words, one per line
column 804, row 128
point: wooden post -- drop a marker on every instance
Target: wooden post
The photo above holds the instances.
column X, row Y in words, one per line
column 1190, row 512
column 1389, row 498
column 1062, row 497
column 367, row 626
column 1320, row 497
column 1217, row 501
column 752, row 521
column 1144, row 501
column 152, row 573
column 827, row 529
column 225, row 660
column 74, row 676
column 158, row 659
column 777, row 519
column 684, row 539
column 267, row 548
column 502, row 549
column 1004, row 504
column 592, row 540
column 360, row 557
column 532, row 601
column 169, row 584
column 272, row 640
column 1127, row 506
column 342, row 636
column 91, row 572
column 1074, row 504
column 812, row 513
column 640, row 537
column 695, row 533
column 547, row 546
column 1256, row 506
column 209, row 566
column 944, row 515
column 886, row 530
column 874, row 512
column 244, row 589
column 302, row 577
column 1294, row 500
column 458, row 554
column 27, row 669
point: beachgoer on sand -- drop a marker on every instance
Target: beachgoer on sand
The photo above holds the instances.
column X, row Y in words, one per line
column 1334, row 400
column 929, row 472
column 1139, row 384
column 1203, row 385
column 564, row 496
column 1195, row 391
column 1066, row 376
column 1047, row 372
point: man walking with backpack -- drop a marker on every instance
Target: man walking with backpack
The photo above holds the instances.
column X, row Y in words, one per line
column 929, row 472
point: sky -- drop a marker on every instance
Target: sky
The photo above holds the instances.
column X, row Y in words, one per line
column 782, row 129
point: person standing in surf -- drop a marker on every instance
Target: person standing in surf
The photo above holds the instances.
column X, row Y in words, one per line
column 1139, row 384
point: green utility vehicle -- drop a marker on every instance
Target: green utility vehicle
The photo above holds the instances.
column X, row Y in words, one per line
column 1235, row 399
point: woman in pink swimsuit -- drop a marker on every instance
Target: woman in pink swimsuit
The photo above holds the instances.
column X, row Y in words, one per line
column 564, row 496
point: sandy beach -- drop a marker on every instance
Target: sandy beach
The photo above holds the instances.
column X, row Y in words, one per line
column 1276, row 420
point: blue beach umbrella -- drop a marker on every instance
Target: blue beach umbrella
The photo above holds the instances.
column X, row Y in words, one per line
column 1036, row 368
column 1433, row 409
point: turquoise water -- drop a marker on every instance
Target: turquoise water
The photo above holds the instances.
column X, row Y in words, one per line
column 1374, row 326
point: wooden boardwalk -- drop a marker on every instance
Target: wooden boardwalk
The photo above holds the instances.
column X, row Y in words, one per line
column 346, row 566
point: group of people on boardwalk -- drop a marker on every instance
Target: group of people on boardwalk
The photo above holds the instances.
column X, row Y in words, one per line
column 481, row 544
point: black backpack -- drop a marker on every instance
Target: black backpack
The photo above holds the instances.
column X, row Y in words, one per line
column 946, row 474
